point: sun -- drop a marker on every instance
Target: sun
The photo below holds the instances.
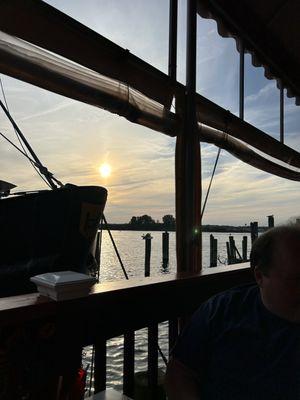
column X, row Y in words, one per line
column 105, row 170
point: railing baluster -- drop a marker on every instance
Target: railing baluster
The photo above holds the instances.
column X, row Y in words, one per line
column 100, row 365
column 153, row 360
column 173, row 333
column 128, row 365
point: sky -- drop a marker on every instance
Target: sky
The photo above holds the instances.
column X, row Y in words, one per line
column 73, row 139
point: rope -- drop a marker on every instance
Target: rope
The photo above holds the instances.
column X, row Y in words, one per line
column 18, row 137
column 211, row 179
column 115, row 247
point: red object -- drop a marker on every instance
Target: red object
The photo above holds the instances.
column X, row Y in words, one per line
column 78, row 389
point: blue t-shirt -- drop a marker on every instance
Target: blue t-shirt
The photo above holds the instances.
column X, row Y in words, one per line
column 240, row 350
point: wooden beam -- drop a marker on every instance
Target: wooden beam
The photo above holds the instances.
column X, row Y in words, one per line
column 188, row 164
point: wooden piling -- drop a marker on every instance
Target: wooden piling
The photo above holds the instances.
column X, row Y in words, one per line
column 165, row 249
column 244, row 247
column 270, row 221
column 147, row 239
column 213, row 251
column 254, row 231
column 232, row 248
column 98, row 253
column 229, row 256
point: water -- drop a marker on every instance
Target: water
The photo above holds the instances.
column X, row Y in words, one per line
column 131, row 247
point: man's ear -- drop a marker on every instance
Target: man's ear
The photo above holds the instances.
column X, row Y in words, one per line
column 258, row 276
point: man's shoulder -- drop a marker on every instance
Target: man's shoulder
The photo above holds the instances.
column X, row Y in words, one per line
column 236, row 298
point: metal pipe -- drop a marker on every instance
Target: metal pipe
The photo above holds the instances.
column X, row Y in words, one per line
column 242, row 78
column 281, row 113
column 173, row 39
column 191, row 36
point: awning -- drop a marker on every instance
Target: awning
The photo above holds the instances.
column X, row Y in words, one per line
column 270, row 30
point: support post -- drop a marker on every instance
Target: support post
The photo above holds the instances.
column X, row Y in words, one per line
column 254, row 231
column 281, row 113
column 213, row 251
column 147, row 239
column 173, row 39
column 232, row 248
column 165, row 249
column 128, row 364
column 188, row 166
column 244, row 246
column 242, row 78
column 270, row 221
column 229, row 256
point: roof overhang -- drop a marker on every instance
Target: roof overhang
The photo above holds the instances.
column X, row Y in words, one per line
column 270, row 32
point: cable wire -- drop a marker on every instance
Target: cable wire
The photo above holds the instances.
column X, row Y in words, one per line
column 211, row 179
column 20, row 141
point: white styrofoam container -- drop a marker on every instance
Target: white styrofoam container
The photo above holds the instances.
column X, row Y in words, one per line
column 63, row 285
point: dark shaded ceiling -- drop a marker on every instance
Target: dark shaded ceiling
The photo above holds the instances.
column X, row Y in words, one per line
column 270, row 30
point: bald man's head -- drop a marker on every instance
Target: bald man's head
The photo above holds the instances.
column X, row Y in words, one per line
column 274, row 244
column 275, row 258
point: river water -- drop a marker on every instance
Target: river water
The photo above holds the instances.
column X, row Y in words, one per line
column 131, row 247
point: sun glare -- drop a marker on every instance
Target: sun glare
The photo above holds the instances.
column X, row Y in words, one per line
column 105, row 170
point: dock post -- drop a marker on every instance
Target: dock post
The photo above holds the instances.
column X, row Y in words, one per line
column 165, row 249
column 147, row 239
column 244, row 245
column 254, row 231
column 98, row 253
column 213, row 251
column 270, row 221
column 232, row 248
column 229, row 256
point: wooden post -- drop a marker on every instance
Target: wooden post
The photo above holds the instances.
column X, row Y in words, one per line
column 98, row 253
column 100, row 365
column 232, row 248
column 254, row 231
column 147, row 239
column 213, row 251
column 187, row 162
column 153, row 360
column 270, row 221
column 244, row 246
column 128, row 364
column 165, row 249
column 229, row 256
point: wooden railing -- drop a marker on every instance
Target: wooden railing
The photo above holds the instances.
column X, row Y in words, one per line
column 113, row 309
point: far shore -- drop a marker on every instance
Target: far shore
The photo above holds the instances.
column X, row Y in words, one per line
column 162, row 228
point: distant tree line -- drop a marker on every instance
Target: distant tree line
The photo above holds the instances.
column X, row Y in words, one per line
column 168, row 221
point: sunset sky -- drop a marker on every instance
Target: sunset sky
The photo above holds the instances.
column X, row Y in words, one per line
column 74, row 140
